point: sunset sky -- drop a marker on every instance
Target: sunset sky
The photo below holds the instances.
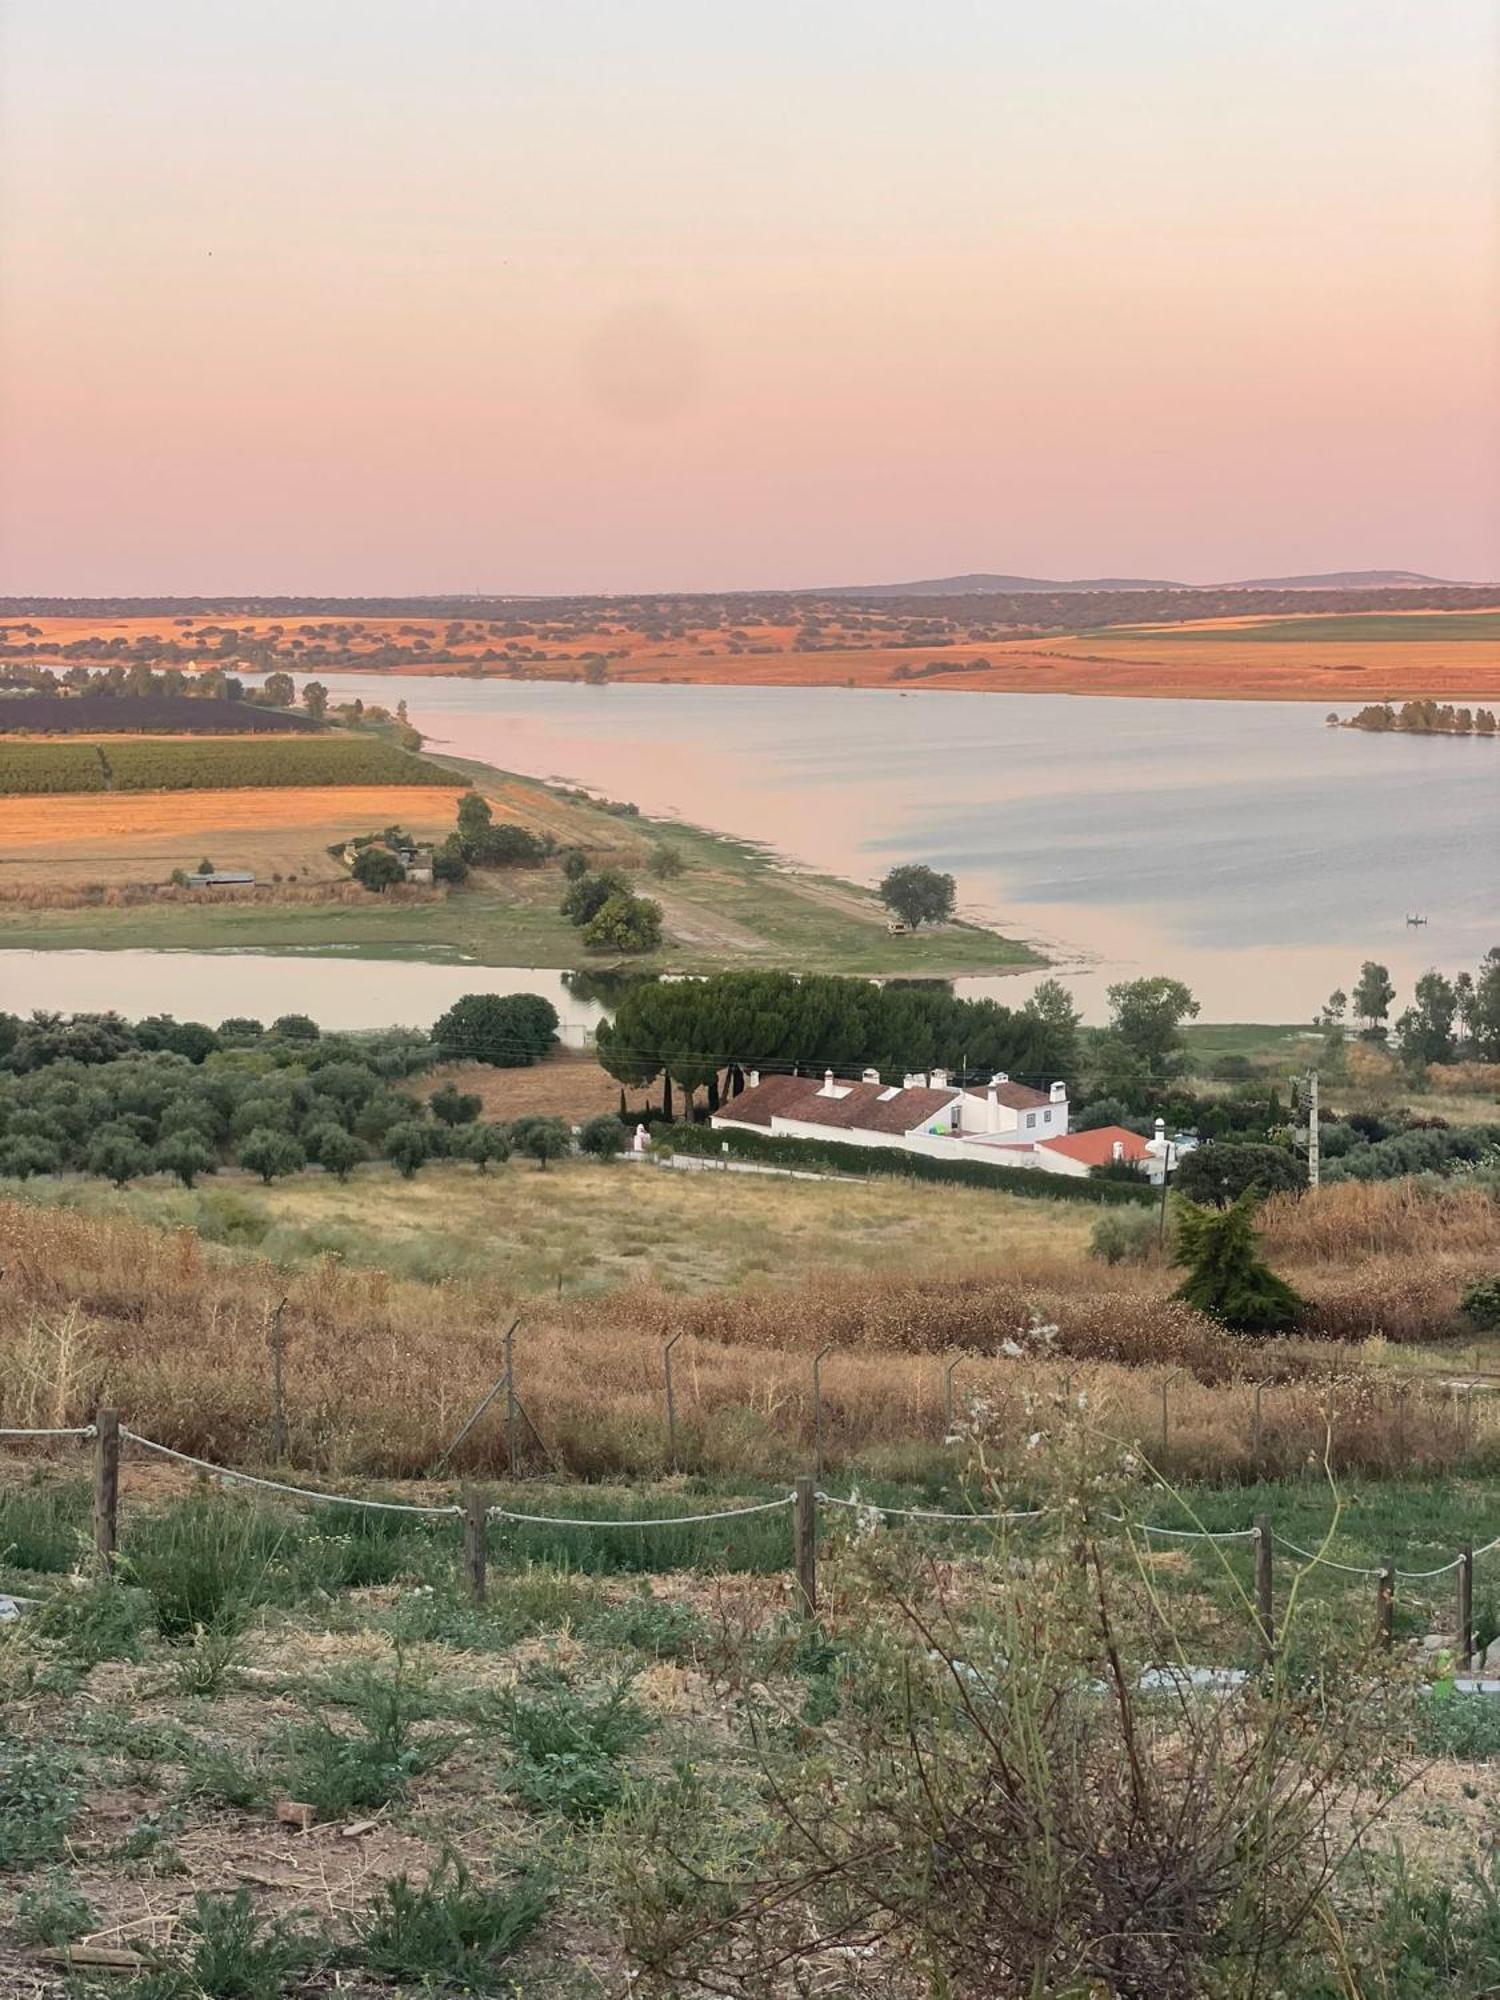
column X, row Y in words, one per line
column 547, row 295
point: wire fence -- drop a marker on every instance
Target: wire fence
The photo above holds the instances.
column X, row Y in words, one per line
column 804, row 1502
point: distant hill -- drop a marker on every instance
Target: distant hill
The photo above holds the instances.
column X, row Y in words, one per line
column 982, row 583
column 1343, row 579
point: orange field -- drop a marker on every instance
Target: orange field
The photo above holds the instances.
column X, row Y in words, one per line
column 1215, row 663
column 115, row 837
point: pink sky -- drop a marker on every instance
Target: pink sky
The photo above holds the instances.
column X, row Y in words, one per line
column 308, row 297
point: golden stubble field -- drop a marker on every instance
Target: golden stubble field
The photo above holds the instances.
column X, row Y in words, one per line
column 120, row 837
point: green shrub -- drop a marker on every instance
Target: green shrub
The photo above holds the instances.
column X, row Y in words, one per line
column 39, row 1795
column 44, row 1528
column 603, row 1136
column 340, row 1772
column 52, row 1912
column 1481, row 1303
column 103, row 1620
column 207, row 1564
column 234, row 1956
column 449, row 1930
column 565, row 1747
column 1125, row 1236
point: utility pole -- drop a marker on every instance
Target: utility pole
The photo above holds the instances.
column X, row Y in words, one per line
column 1305, row 1097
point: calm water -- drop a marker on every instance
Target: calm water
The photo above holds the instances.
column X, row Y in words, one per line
column 1241, row 846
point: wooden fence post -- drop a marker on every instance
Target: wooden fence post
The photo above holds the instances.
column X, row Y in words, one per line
column 106, row 1485
column 1385, row 1603
column 1265, row 1603
column 1466, row 1606
column 805, row 1531
column 476, row 1524
column 510, row 1404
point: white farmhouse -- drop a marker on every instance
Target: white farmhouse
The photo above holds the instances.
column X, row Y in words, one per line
column 1003, row 1123
column 922, row 1114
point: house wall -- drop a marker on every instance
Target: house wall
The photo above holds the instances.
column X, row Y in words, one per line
column 1049, row 1121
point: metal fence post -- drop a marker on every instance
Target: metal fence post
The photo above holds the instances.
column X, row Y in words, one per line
column 666, row 1362
column 106, row 1485
column 510, row 1403
column 1466, row 1605
column 805, row 1532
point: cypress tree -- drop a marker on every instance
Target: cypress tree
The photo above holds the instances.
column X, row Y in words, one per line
column 1228, row 1279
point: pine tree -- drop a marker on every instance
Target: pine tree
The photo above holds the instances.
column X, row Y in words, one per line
column 1227, row 1277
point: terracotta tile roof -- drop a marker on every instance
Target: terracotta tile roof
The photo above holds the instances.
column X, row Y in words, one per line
column 865, row 1108
column 1097, row 1148
column 772, row 1098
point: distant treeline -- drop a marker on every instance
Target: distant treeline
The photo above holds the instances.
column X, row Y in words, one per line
column 1423, row 718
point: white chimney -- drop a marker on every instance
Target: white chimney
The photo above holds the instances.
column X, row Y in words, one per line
column 1161, row 1131
column 1117, row 1150
column 755, row 1079
column 871, row 1076
column 827, row 1090
column 1000, row 1076
column 940, row 1079
column 910, row 1081
column 1059, row 1093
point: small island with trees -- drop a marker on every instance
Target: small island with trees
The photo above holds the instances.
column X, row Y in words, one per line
column 1420, row 718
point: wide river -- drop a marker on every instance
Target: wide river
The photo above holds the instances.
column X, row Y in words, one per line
column 1242, row 846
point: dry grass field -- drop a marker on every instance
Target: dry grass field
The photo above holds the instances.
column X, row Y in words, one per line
column 568, row 1085
column 399, row 1295
column 120, row 837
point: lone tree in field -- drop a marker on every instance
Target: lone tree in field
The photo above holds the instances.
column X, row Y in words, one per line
column 918, row 894
column 506, row 1030
column 1145, row 1022
column 377, row 869
column 1227, row 1278
column 1372, row 997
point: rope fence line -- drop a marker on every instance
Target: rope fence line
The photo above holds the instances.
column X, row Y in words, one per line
column 72, row 1431
column 666, row 1521
column 925, row 1513
column 109, row 1435
column 280, row 1485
